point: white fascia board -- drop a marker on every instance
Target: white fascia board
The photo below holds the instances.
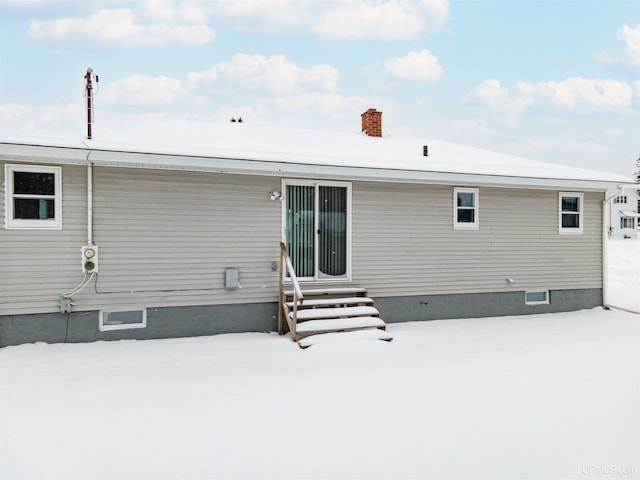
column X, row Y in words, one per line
column 109, row 158
column 335, row 172
column 43, row 154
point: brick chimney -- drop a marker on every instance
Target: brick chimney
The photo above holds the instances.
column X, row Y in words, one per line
column 372, row 122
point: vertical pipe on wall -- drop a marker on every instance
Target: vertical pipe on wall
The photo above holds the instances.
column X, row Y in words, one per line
column 90, row 203
column 605, row 249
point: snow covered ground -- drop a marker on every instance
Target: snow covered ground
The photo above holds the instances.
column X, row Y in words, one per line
column 624, row 273
column 537, row 397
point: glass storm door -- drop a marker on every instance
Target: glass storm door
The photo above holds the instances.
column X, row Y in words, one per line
column 317, row 230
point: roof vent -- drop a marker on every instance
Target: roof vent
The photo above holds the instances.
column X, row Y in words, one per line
column 425, row 150
column 372, row 122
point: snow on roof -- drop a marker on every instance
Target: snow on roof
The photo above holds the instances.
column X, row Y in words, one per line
column 630, row 214
column 205, row 145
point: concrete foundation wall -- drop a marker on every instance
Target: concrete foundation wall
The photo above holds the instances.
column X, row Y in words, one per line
column 166, row 322
column 436, row 307
column 189, row 321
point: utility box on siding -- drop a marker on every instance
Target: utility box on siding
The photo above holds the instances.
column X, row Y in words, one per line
column 231, row 278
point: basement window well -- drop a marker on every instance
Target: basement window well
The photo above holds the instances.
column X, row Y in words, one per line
column 33, row 197
column 122, row 319
column 536, row 298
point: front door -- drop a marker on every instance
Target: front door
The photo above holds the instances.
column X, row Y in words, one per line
column 317, row 229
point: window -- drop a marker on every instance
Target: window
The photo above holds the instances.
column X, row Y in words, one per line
column 122, row 319
column 33, row 197
column 570, row 213
column 620, row 199
column 536, row 298
column 465, row 208
column 626, row 222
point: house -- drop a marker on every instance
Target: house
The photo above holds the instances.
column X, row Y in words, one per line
column 156, row 231
column 623, row 215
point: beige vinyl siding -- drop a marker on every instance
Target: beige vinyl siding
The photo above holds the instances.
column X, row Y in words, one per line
column 406, row 244
column 36, row 266
column 166, row 237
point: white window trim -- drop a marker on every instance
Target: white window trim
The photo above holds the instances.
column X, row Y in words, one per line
column 125, row 326
column 22, row 224
column 566, row 230
column 630, row 220
column 541, row 302
column 323, row 183
column 465, row 225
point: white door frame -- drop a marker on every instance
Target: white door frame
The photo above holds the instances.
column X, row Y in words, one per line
column 317, row 277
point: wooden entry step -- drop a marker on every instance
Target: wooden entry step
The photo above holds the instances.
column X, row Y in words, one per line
column 330, row 310
column 346, row 336
column 331, row 291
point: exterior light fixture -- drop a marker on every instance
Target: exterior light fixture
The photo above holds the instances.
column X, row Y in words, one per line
column 275, row 195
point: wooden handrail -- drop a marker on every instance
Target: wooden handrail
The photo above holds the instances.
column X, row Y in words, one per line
column 298, row 297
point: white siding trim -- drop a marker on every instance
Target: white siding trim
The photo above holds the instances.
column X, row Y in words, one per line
column 546, row 301
column 103, row 327
column 22, row 224
column 475, row 225
column 318, row 183
column 571, row 230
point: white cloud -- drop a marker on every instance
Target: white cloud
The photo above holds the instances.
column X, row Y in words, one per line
column 167, row 11
column 437, row 10
column 319, row 102
column 364, row 19
column 169, row 23
column 492, row 94
column 420, row 65
column 263, row 14
column 26, row 117
column 631, row 56
column 15, row 114
column 637, row 86
column 325, row 110
column 142, row 90
column 381, row 19
column 323, row 76
column 631, row 37
column 206, row 78
column 275, row 74
column 157, row 22
column 569, row 93
column 473, row 126
column 576, row 90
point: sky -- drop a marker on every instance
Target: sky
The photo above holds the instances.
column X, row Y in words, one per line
column 557, row 81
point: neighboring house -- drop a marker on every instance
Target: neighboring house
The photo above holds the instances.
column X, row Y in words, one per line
column 156, row 231
column 623, row 215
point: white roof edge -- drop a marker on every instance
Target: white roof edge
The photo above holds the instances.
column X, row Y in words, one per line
column 83, row 154
column 630, row 214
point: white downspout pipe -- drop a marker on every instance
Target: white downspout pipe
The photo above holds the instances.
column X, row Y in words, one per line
column 89, row 203
column 605, row 248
